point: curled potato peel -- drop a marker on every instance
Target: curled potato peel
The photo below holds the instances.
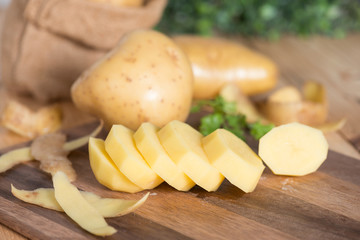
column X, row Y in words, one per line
column 21, row 155
column 107, row 207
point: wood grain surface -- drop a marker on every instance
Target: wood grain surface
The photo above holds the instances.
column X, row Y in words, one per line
column 323, row 205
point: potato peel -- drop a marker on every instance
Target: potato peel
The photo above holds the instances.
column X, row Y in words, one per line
column 107, row 207
column 22, row 155
column 14, row 157
column 77, row 208
column 332, row 126
column 48, row 150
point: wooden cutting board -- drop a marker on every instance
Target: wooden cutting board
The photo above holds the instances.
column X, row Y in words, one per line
column 322, row 205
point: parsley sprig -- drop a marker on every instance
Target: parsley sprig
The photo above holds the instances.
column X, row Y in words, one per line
column 223, row 115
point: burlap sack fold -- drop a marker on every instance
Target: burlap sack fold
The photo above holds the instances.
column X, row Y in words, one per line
column 47, row 44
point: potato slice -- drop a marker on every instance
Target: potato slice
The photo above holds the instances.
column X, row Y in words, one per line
column 183, row 144
column 21, row 155
column 120, row 146
column 77, row 208
column 30, row 123
column 293, row 149
column 107, row 207
column 234, row 159
column 149, row 145
column 105, row 170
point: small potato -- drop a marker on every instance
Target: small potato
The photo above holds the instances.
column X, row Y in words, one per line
column 146, row 78
column 216, row 62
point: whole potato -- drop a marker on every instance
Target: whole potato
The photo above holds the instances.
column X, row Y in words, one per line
column 146, row 78
column 217, row 62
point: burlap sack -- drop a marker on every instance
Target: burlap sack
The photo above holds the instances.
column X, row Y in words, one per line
column 46, row 44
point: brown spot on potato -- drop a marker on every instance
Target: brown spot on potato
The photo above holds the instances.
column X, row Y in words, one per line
column 128, row 79
column 173, row 55
column 130, row 59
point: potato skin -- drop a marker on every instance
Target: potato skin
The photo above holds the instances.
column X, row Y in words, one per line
column 216, row 61
column 146, row 78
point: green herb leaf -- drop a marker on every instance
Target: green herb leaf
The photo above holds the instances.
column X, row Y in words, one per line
column 210, row 123
column 224, row 116
column 257, row 130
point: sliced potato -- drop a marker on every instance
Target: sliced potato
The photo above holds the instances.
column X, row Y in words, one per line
column 293, row 149
column 77, row 208
column 107, row 207
column 105, row 170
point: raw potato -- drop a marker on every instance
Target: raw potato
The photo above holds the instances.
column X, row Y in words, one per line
column 78, row 209
column 105, row 170
column 31, row 123
column 120, row 146
column 217, row 61
column 287, row 105
column 146, row 78
column 288, row 94
column 293, row 149
column 183, row 144
column 149, row 146
column 21, row 155
column 107, row 207
column 234, row 159
column 122, row 3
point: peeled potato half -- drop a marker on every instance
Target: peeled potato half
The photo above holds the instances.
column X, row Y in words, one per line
column 290, row 105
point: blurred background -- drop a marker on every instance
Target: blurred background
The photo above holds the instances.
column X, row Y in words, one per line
column 269, row 19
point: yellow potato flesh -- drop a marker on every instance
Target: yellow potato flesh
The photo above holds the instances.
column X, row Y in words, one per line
column 183, row 144
column 107, row 207
column 293, row 149
column 147, row 74
column 234, row 159
column 148, row 143
column 286, row 105
column 105, row 169
column 120, row 146
column 77, row 208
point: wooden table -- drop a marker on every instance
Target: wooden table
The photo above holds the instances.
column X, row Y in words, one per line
column 333, row 62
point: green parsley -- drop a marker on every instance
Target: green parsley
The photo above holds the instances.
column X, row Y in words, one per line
column 223, row 115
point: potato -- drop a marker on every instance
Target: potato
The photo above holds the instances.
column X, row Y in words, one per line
column 28, row 122
column 217, row 61
column 122, row 3
column 146, row 78
column 287, row 105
